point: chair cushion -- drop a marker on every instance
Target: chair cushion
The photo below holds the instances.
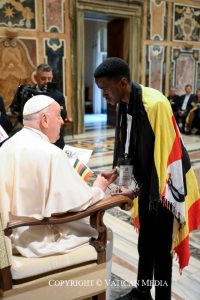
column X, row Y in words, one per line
column 23, row 267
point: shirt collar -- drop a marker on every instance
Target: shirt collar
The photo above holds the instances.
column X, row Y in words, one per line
column 41, row 134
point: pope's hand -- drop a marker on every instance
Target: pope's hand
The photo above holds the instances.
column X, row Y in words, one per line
column 101, row 182
column 110, row 175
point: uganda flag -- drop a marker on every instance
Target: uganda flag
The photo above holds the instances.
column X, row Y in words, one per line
column 177, row 182
column 82, row 169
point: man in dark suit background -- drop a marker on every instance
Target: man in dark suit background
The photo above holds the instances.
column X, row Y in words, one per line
column 43, row 76
column 2, row 107
column 173, row 99
column 185, row 104
column 44, row 85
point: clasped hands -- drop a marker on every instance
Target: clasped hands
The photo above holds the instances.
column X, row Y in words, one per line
column 104, row 179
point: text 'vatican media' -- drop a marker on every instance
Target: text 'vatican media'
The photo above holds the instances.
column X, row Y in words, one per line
column 111, row 283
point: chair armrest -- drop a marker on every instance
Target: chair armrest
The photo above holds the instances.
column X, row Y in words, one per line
column 95, row 212
column 118, row 200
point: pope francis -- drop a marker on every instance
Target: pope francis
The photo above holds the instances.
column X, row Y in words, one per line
column 38, row 180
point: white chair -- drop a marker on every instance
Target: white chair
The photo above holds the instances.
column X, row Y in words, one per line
column 80, row 274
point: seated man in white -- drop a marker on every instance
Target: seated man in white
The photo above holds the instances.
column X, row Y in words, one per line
column 38, row 180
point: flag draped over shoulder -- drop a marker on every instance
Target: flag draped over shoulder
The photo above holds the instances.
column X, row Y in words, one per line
column 178, row 187
column 82, row 169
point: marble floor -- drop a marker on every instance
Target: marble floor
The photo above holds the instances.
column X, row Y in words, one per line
column 100, row 139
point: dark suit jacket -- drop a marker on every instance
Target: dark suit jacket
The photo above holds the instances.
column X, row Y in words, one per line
column 5, row 123
column 2, row 107
column 189, row 106
column 4, row 119
column 174, row 101
column 58, row 97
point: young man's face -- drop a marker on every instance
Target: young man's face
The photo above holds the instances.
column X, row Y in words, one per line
column 42, row 78
column 113, row 90
column 188, row 89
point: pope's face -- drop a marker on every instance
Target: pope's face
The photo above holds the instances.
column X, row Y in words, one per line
column 113, row 90
column 54, row 122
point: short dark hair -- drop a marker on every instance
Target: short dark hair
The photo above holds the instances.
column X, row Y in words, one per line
column 113, row 68
column 188, row 85
column 43, row 68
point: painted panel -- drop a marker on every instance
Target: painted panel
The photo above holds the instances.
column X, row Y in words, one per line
column 184, row 69
column 186, row 21
column 158, row 13
column 31, row 49
column 54, row 15
column 16, row 66
column 19, row 14
column 156, row 63
column 55, row 55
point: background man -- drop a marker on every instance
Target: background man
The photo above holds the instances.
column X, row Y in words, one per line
column 147, row 132
column 185, row 104
column 43, row 77
column 173, row 99
column 38, row 180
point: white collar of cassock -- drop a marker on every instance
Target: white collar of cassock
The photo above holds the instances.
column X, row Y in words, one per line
column 41, row 134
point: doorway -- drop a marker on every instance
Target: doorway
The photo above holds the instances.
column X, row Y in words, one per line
column 95, row 41
column 105, row 36
column 91, row 31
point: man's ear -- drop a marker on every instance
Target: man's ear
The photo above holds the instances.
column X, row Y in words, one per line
column 44, row 121
column 124, row 82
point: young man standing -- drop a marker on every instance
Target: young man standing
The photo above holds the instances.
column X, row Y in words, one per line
column 147, row 133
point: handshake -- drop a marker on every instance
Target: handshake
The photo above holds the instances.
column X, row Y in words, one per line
column 108, row 178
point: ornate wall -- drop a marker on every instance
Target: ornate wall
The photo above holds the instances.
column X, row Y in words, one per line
column 37, row 31
column 33, row 32
column 171, row 44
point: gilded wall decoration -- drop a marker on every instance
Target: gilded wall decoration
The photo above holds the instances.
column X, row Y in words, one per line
column 157, row 20
column 156, row 67
column 16, row 13
column 185, row 68
column 31, row 48
column 55, row 55
column 157, row 12
column 54, row 15
column 186, row 23
column 15, row 67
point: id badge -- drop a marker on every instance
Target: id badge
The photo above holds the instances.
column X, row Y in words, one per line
column 125, row 175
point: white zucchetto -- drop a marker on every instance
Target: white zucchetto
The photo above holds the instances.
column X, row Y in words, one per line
column 36, row 104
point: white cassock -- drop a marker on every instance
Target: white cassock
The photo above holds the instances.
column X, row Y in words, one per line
column 36, row 180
